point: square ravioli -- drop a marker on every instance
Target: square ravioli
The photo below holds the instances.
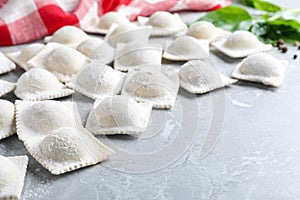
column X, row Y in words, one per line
column 7, row 119
column 206, row 30
column 118, row 115
column 241, row 44
column 53, row 135
column 21, row 57
column 151, row 85
column 126, row 33
column 163, row 23
column 5, row 64
column 39, row 84
column 262, row 68
column 134, row 54
column 12, row 176
column 186, row 48
column 97, row 49
column 63, row 61
column 102, row 25
column 67, row 35
column 6, row 87
column 97, row 81
column 198, row 76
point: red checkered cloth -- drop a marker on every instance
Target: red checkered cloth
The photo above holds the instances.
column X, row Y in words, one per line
column 28, row 20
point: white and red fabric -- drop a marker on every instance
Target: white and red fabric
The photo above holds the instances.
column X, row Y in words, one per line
column 28, row 20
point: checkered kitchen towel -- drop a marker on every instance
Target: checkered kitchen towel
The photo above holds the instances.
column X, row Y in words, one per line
column 22, row 21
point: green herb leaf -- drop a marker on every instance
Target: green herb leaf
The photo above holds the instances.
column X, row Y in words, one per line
column 280, row 28
column 269, row 26
column 262, row 5
column 286, row 14
column 247, row 3
column 227, row 18
column 266, row 6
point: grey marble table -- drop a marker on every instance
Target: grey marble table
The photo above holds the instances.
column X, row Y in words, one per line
column 256, row 153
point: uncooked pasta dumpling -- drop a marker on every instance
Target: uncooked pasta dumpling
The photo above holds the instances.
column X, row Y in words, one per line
column 97, row 49
column 206, row 30
column 9, row 172
column 105, row 22
column 7, row 119
column 187, row 48
column 150, row 85
column 134, row 54
column 151, row 66
column 263, row 68
column 12, row 176
column 163, row 23
column 197, row 76
column 88, row 45
column 53, row 135
column 21, row 57
column 42, row 117
column 127, row 33
column 67, row 149
column 5, row 64
column 104, row 53
column 112, row 17
column 63, row 145
column 119, row 29
column 119, row 115
column 64, row 62
column 40, row 84
column 68, row 35
column 241, row 44
column 6, row 87
column 97, row 81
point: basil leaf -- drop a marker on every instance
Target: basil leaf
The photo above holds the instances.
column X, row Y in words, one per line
column 280, row 28
column 247, row 3
column 227, row 18
column 270, row 31
column 286, row 14
column 259, row 29
column 268, row 27
column 266, row 6
column 262, row 5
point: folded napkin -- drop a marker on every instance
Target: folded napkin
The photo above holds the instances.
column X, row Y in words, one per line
column 25, row 21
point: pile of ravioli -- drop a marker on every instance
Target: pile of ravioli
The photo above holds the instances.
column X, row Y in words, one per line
column 123, row 74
